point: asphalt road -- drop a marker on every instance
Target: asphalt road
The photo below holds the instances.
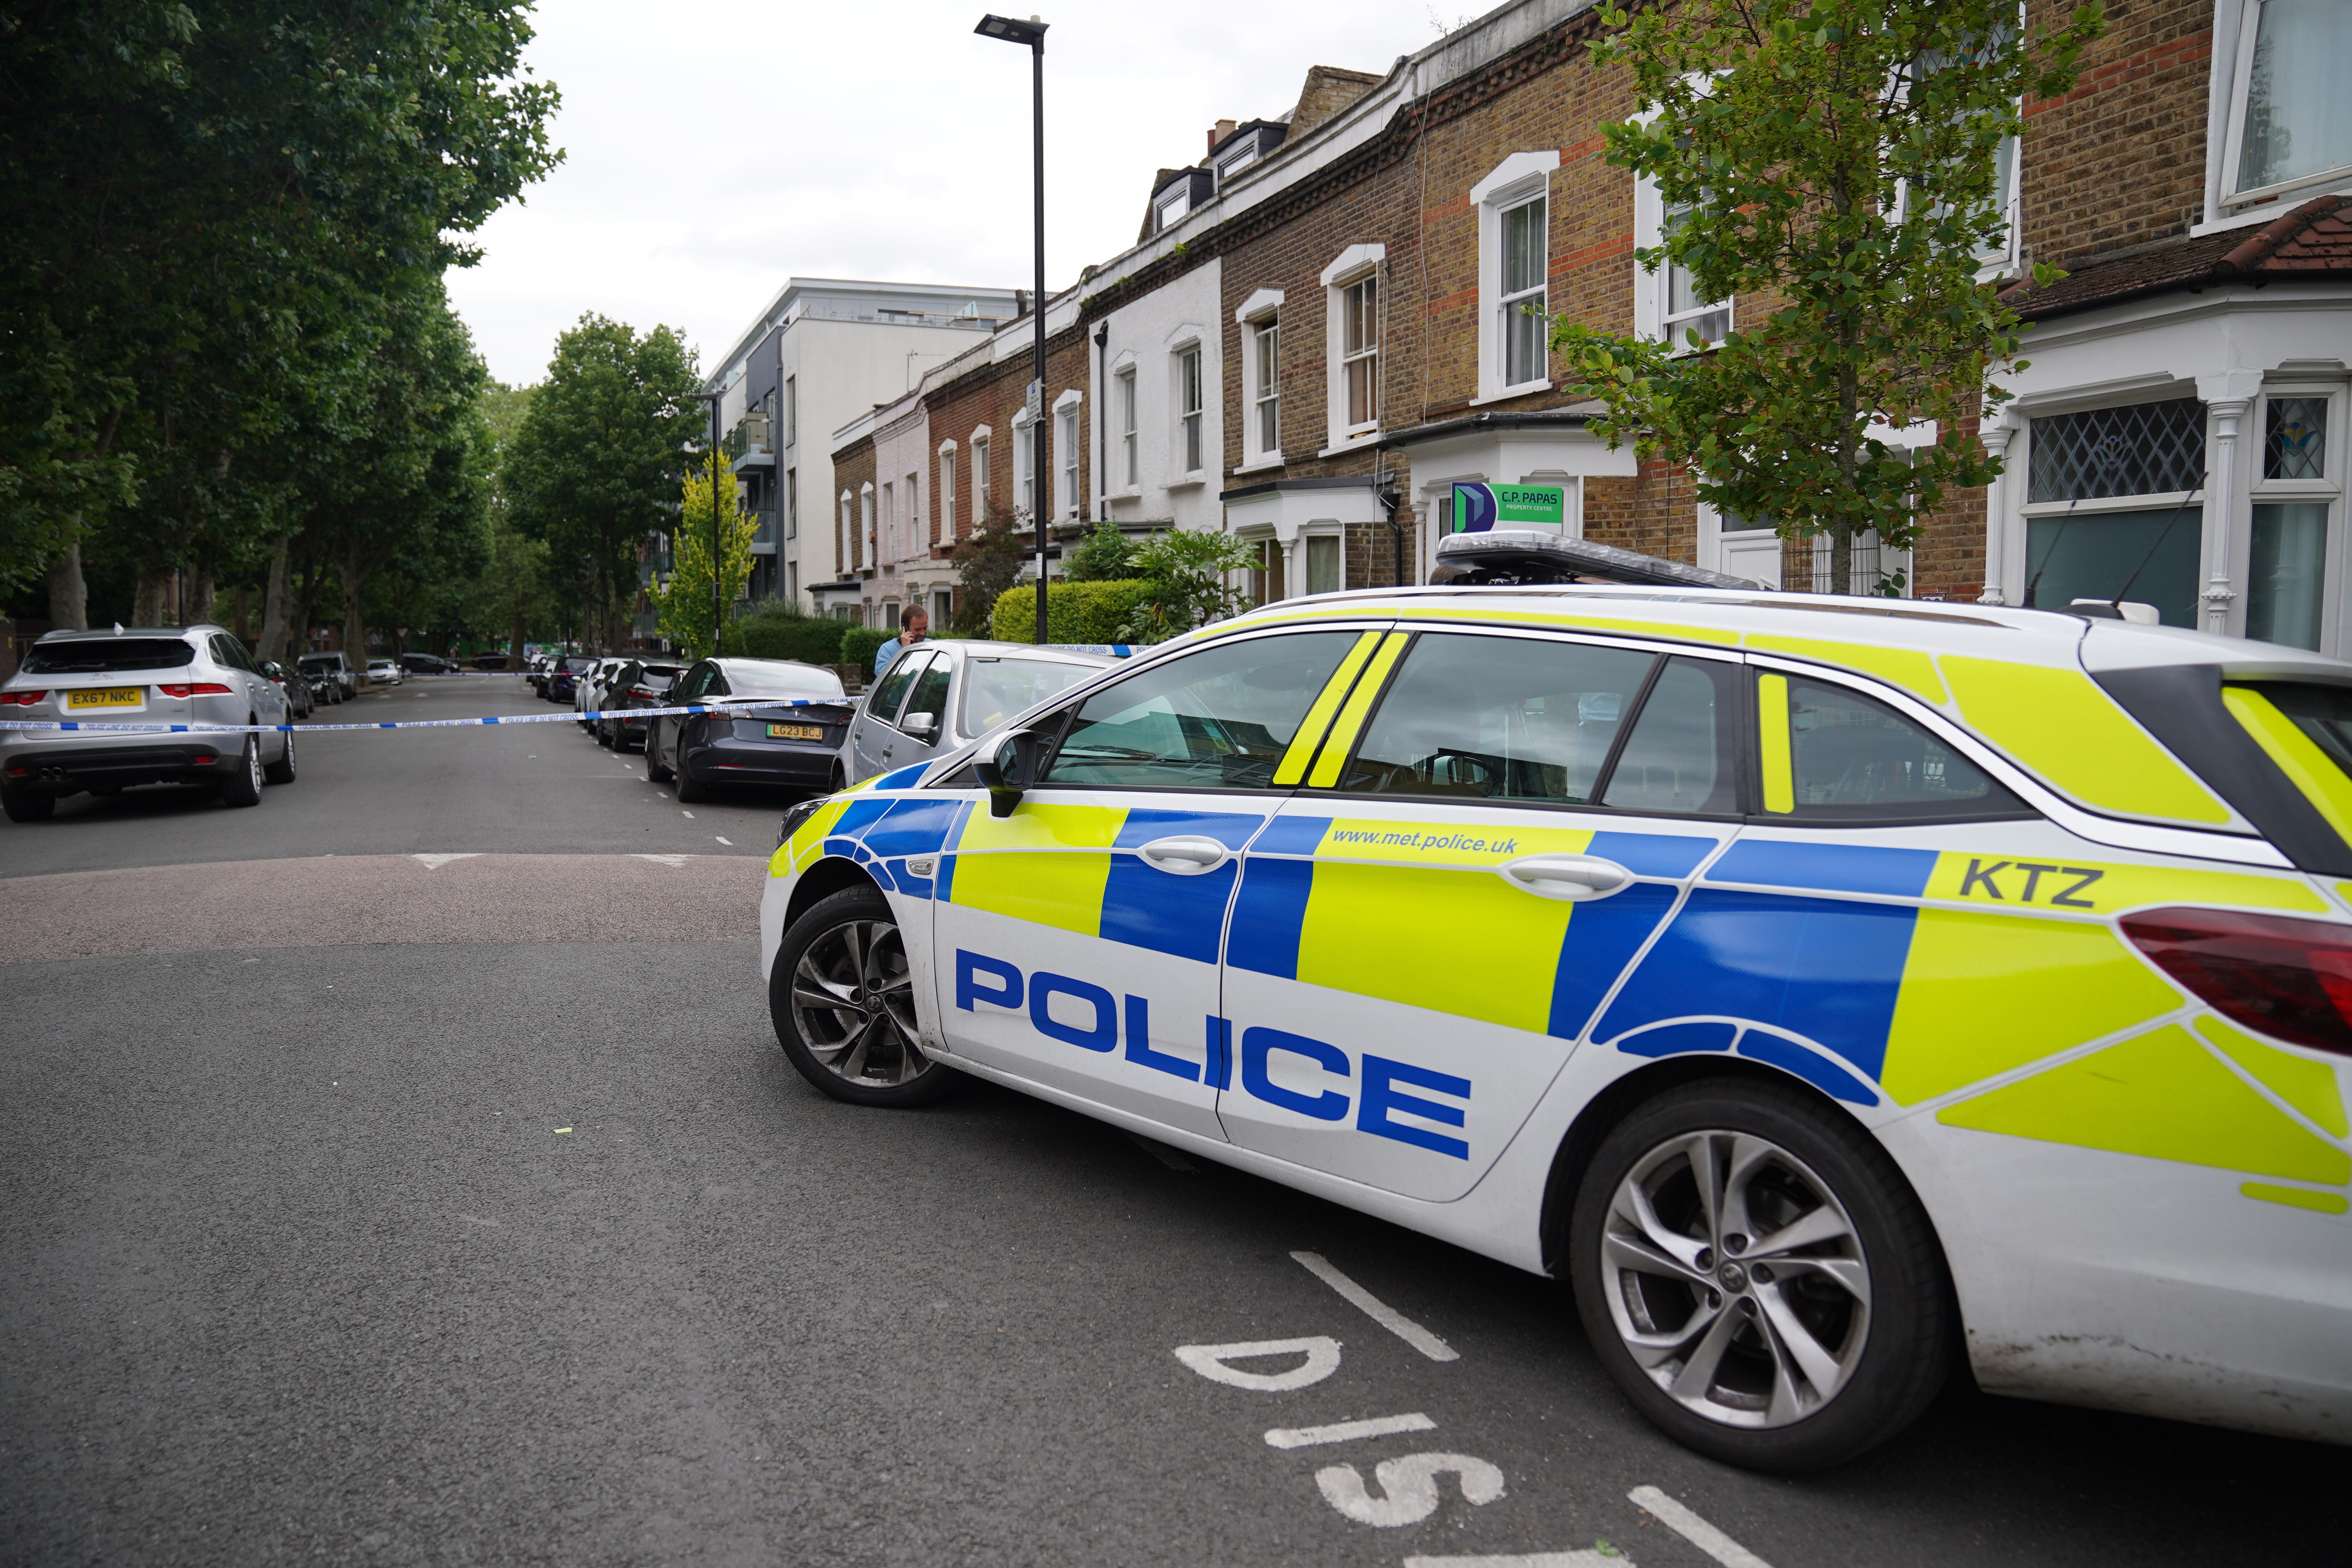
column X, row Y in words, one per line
column 361, row 1204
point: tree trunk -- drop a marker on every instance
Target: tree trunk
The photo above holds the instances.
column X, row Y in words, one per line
column 69, row 594
column 514, row 643
column 273, row 602
column 200, row 597
column 1842, row 559
column 354, row 633
column 147, row 600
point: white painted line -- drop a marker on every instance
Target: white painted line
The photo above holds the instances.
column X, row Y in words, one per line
column 1347, row 1431
column 1322, row 1356
column 434, row 862
column 728, row 842
column 665, row 859
column 1694, row 1529
column 1159, row 1152
column 1379, row 1311
column 687, row 815
column 1586, row 1558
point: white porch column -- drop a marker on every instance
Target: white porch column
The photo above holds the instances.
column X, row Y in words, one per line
column 2228, row 394
column 1290, row 567
column 1995, row 433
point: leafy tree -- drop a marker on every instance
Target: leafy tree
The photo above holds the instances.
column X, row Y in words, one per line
column 1185, row 570
column 595, row 460
column 988, row 561
column 1836, row 159
column 1103, row 556
column 510, row 594
column 687, row 611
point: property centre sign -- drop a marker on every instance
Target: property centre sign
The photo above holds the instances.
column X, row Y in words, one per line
column 1478, row 507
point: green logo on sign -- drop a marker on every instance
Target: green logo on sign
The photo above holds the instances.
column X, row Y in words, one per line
column 1478, row 507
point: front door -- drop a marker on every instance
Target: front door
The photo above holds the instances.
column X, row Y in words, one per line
column 1427, row 930
column 1078, row 936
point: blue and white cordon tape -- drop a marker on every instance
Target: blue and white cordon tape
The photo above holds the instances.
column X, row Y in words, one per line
column 733, row 709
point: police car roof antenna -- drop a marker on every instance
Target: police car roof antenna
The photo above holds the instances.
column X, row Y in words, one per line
column 2117, row 604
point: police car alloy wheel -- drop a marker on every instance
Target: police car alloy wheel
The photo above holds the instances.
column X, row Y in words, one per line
column 842, row 1000
column 1759, row 1278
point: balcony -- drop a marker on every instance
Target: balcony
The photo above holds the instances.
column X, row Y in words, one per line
column 747, row 445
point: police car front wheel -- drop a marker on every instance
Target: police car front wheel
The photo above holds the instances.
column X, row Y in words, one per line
column 842, row 1000
column 1759, row 1278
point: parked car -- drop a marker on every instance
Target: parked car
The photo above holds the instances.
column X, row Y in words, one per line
column 191, row 674
column 563, row 677
column 336, row 667
column 426, row 664
column 325, row 690
column 589, row 691
column 299, row 700
column 493, row 662
column 790, row 745
column 639, row 684
column 384, row 672
column 936, row 696
column 1823, row 988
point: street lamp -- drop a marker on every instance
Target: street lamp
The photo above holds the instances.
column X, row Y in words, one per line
column 717, row 572
column 1033, row 32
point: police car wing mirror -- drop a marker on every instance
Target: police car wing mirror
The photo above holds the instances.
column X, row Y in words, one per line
column 1014, row 766
column 1573, row 877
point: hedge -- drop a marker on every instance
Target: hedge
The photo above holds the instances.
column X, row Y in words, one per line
column 1075, row 612
column 858, row 645
column 767, row 634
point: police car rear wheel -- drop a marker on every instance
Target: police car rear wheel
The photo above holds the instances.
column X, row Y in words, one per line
column 843, row 999
column 1759, row 1278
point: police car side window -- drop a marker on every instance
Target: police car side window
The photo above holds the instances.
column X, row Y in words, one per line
column 1220, row 717
column 1830, row 754
column 1500, row 718
column 1679, row 756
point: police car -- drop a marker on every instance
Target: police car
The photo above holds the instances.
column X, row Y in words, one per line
column 1825, row 987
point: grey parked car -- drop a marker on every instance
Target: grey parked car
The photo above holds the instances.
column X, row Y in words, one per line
column 937, row 695
column 171, row 675
column 335, row 666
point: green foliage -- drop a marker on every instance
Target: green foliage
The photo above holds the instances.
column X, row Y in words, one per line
column 1104, row 555
column 596, row 461
column 686, row 603
column 859, row 644
column 219, row 218
column 777, row 629
column 1184, row 572
column 1837, row 157
column 988, row 561
column 1075, row 612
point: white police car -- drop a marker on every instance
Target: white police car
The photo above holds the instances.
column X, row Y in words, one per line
column 1820, row 984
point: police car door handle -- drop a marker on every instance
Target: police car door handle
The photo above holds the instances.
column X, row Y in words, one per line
column 1571, row 877
column 1184, row 855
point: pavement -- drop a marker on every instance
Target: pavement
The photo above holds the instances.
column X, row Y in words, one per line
column 404, row 1171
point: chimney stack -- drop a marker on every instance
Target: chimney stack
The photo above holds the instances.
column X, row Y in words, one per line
column 1218, row 133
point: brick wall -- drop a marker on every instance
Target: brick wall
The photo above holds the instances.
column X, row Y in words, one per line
column 853, row 470
column 991, row 395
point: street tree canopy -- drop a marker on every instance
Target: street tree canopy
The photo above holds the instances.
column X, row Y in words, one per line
column 688, row 609
column 1832, row 163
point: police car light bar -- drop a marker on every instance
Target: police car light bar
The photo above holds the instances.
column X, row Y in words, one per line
column 1516, row 555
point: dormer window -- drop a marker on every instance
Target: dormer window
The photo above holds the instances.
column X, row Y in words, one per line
column 1178, row 193
column 1174, row 205
column 1246, row 147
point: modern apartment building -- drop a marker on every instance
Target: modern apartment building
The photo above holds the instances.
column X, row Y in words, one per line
column 824, row 351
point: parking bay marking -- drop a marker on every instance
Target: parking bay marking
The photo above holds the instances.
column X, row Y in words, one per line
column 1347, row 1431
column 1379, row 1311
column 1694, row 1529
column 1587, row 1558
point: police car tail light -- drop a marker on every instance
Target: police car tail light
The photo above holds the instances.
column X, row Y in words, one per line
column 2289, row 979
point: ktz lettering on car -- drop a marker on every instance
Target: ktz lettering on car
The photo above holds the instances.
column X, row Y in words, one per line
column 1978, row 881
column 1092, row 1017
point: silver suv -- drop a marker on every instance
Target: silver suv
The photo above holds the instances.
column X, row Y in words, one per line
column 170, row 675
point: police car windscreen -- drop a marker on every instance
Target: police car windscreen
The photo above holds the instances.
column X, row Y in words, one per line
column 1217, row 719
column 97, row 658
column 995, row 689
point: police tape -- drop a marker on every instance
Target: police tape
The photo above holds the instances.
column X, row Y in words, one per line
column 736, row 710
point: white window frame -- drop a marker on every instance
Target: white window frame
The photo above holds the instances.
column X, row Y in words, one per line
column 792, row 503
column 1068, row 409
column 866, row 524
column 886, row 547
column 1353, row 266
column 2327, row 490
column 943, row 492
column 1522, row 178
column 2234, row 38
column 914, row 528
column 1131, row 475
column 1169, row 210
column 1189, row 454
column 983, row 438
column 792, row 410
column 1260, row 312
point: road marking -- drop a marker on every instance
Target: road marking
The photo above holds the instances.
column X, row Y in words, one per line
column 1586, row 1558
column 1347, row 1431
column 1159, row 1152
column 1408, row 1487
column 665, row 859
column 728, row 842
column 1322, row 1354
column 1379, row 1311
column 434, row 862
column 1694, row 1529
column 687, row 815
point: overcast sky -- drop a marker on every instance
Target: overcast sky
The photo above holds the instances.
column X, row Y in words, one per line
column 717, row 147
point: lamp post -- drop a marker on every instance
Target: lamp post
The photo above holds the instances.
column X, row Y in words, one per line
column 1033, row 32
column 718, row 563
